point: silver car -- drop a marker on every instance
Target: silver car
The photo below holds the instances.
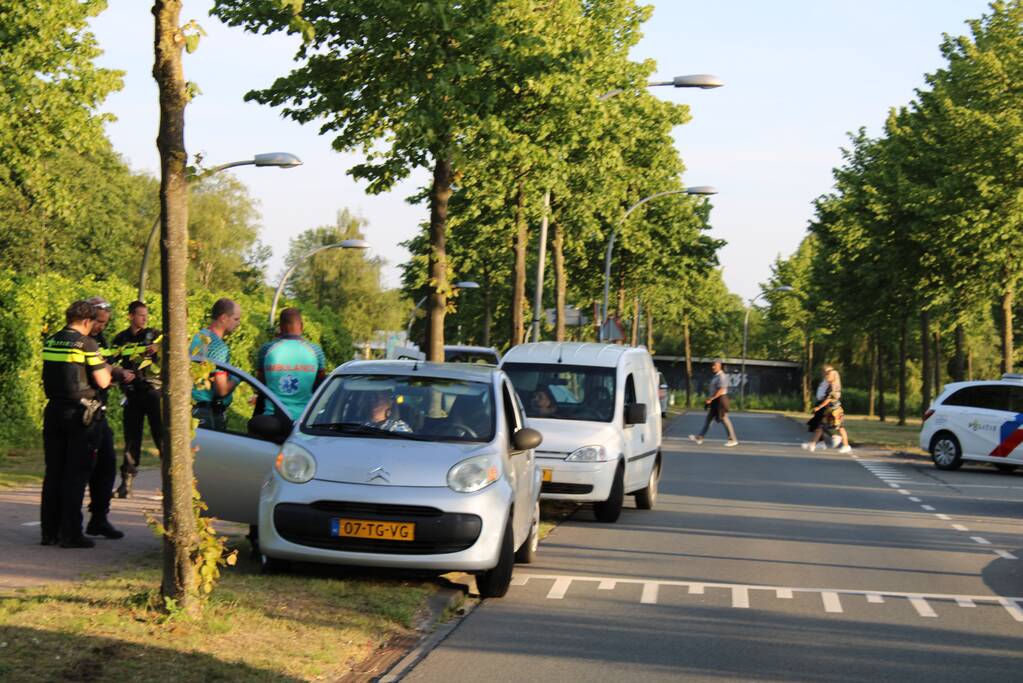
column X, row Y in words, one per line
column 393, row 464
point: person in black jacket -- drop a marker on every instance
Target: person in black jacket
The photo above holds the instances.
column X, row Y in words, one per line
column 138, row 349
column 74, row 372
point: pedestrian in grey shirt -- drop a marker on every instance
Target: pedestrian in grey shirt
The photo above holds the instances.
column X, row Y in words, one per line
column 717, row 406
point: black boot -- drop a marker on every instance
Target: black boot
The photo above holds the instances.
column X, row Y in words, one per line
column 99, row 526
column 124, row 490
column 77, row 542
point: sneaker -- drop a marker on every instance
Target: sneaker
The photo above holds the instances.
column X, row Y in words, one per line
column 77, row 542
column 836, row 441
column 731, row 443
column 807, row 446
column 103, row 528
column 697, row 439
column 845, row 449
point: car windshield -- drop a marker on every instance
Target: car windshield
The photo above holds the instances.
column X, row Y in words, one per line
column 564, row 392
column 403, row 407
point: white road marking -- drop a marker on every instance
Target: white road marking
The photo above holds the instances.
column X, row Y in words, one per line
column 929, row 508
column 959, row 527
column 696, row 589
column 1011, row 606
column 784, row 593
column 895, row 486
column 941, row 516
column 1005, row 555
column 740, row 596
column 980, row 539
column 606, row 585
column 559, row 588
column 31, row 523
column 904, row 492
column 519, row 580
column 921, row 606
column 875, row 598
column 965, row 602
column 831, row 602
column 914, row 499
column 649, row 596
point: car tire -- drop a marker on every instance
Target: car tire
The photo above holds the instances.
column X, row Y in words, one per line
column 610, row 510
column 646, row 498
column 1006, row 468
column 526, row 554
column 946, row 452
column 273, row 565
column 493, row 583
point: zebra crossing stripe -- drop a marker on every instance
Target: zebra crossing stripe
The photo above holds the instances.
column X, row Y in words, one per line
column 921, row 606
column 649, row 596
column 831, row 602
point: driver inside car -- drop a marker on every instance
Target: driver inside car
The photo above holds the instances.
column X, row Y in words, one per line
column 542, row 402
column 383, row 414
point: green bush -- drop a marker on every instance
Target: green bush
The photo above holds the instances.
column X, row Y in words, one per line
column 791, row 402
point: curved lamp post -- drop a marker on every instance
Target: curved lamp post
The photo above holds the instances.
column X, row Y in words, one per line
column 701, row 81
column 465, row 284
column 696, row 190
column 745, row 338
column 276, row 159
column 344, row 244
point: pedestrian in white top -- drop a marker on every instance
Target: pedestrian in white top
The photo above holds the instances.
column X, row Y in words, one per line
column 717, row 406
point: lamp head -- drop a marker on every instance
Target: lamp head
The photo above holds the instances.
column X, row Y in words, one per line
column 279, row 159
column 702, row 81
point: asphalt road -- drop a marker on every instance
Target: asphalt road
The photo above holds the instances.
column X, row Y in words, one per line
column 767, row 562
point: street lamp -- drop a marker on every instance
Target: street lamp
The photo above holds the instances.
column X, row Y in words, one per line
column 696, row 190
column 344, row 244
column 745, row 337
column 465, row 284
column 276, row 159
column 701, row 81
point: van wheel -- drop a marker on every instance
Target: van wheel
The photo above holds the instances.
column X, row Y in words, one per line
column 526, row 554
column 946, row 452
column 494, row 583
column 1006, row 468
column 610, row 510
column 646, row 498
column 273, row 565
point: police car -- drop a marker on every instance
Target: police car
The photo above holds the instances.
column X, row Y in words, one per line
column 978, row 421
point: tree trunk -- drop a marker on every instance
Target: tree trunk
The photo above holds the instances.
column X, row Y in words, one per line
column 937, row 362
column 437, row 303
column 689, row 363
column 519, row 275
column 872, row 390
column 880, row 380
column 807, row 374
column 650, row 332
column 925, row 359
column 181, row 538
column 959, row 361
column 903, row 359
column 560, row 286
column 634, row 340
column 1007, row 300
column 488, row 307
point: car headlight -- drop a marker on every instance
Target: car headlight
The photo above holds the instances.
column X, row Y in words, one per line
column 474, row 474
column 588, row 454
column 295, row 464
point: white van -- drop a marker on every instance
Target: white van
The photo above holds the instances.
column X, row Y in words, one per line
column 596, row 406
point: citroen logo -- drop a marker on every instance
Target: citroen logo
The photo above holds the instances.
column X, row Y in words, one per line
column 379, row 473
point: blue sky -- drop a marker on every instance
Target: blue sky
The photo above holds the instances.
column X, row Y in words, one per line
column 798, row 76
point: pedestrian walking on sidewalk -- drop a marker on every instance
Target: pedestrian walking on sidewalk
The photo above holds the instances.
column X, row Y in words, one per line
column 717, row 406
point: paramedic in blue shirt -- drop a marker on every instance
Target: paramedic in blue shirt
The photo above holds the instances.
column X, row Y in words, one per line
column 210, row 405
column 291, row 366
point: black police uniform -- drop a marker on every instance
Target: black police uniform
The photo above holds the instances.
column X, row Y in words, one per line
column 69, row 361
column 104, row 471
column 142, row 401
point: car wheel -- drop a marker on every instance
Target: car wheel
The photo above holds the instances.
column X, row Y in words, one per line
column 646, row 498
column 945, row 451
column 273, row 565
column 526, row 554
column 611, row 509
column 1006, row 468
column 494, row 583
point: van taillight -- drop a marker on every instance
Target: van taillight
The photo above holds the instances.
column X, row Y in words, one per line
column 930, row 411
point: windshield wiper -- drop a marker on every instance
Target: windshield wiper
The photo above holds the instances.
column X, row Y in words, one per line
column 365, row 430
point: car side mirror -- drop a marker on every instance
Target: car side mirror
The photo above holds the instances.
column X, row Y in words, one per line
column 274, row 428
column 635, row 413
column 526, row 439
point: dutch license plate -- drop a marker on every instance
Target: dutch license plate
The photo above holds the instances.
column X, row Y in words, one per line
column 365, row 528
column 548, row 474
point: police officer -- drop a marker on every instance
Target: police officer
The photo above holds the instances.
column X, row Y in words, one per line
column 136, row 345
column 104, row 471
column 73, row 373
column 290, row 365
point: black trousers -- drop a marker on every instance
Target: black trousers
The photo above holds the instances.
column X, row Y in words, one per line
column 142, row 405
column 104, row 471
column 68, row 448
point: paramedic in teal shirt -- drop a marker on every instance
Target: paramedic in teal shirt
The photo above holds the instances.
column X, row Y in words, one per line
column 290, row 365
column 210, row 405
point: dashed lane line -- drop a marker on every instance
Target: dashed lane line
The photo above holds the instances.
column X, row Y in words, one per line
column 980, row 539
column 831, row 598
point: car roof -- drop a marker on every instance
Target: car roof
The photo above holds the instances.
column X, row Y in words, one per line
column 569, row 353
column 470, row 372
column 475, row 349
column 1007, row 380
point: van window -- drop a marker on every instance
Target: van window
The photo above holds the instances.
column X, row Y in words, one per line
column 984, row 396
column 630, row 390
column 564, row 392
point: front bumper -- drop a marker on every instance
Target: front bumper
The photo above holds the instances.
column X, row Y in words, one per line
column 578, row 481
column 453, row 531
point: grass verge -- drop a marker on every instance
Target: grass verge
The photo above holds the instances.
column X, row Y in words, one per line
column 25, row 465
column 869, row 431
column 300, row 627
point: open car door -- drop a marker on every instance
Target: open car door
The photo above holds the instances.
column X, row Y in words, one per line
column 237, row 446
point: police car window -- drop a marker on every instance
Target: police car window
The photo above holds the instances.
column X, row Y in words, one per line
column 1016, row 399
column 963, row 398
column 983, row 396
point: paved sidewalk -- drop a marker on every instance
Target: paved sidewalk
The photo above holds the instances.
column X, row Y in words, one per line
column 25, row 564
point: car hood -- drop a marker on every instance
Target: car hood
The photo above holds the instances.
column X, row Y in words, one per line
column 355, row 460
column 564, row 436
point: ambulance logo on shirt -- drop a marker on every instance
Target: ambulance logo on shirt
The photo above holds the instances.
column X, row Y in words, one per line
column 287, row 385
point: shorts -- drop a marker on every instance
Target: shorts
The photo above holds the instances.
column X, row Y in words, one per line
column 833, row 418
